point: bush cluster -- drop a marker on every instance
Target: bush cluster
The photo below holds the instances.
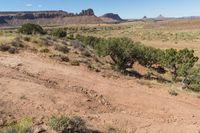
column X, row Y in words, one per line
column 12, row 47
column 23, row 126
column 60, row 33
column 125, row 52
column 74, row 63
column 192, row 81
column 31, row 29
column 61, row 48
column 64, row 124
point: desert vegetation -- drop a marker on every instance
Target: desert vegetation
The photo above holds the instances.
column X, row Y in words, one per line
column 31, row 29
column 59, row 33
column 125, row 52
column 56, row 123
column 66, row 124
column 102, row 51
column 23, row 126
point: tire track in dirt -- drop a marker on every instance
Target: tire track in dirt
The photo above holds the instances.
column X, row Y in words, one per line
column 22, row 75
column 119, row 102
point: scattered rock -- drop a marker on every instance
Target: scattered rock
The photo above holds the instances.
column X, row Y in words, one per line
column 2, row 122
column 39, row 121
column 39, row 129
column 92, row 95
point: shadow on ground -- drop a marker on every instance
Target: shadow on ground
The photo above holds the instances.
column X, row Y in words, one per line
column 80, row 131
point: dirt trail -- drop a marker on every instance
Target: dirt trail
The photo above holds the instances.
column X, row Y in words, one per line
column 39, row 87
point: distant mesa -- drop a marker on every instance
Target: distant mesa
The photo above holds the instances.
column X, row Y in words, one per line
column 48, row 17
column 111, row 17
column 145, row 17
column 88, row 12
column 160, row 17
column 43, row 14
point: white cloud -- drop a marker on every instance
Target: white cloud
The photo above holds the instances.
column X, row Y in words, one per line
column 29, row 5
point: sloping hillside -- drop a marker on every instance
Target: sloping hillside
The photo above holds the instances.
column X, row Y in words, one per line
column 36, row 85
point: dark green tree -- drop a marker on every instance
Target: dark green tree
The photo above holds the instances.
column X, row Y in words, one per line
column 123, row 52
column 149, row 56
column 179, row 62
column 169, row 60
column 192, row 81
column 31, row 29
column 186, row 61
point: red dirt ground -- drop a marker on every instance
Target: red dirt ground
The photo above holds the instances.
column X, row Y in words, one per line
column 39, row 87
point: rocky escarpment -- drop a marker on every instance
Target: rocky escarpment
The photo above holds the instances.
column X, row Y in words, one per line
column 43, row 14
column 88, row 12
column 47, row 17
column 111, row 17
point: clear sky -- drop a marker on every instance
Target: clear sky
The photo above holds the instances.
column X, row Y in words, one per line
column 125, row 8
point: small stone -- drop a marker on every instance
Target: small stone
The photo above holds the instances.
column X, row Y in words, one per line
column 39, row 123
column 2, row 122
column 88, row 100
column 39, row 130
column 194, row 123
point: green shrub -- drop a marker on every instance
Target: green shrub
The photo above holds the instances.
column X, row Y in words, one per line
column 59, row 123
column 44, row 41
column 60, row 57
column 12, row 50
column 185, row 60
column 64, row 58
column 23, row 126
column 26, row 38
column 77, row 123
column 123, row 52
column 4, row 47
column 89, row 40
column 86, row 53
column 12, row 47
column 71, row 37
column 173, row 93
column 148, row 56
column 74, row 63
column 43, row 49
column 17, row 43
column 192, row 81
column 61, row 48
column 178, row 62
column 60, row 33
column 31, row 29
column 62, row 123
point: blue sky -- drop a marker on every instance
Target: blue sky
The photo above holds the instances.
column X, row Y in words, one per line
column 125, row 8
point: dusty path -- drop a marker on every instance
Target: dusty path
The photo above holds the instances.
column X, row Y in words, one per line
column 39, row 87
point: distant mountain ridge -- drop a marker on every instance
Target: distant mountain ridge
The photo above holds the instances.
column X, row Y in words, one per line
column 47, row 17
column 163, row 18
column 111, row 17
column 43, row 14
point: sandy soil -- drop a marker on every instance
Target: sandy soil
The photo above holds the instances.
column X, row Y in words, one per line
column 39, row 87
